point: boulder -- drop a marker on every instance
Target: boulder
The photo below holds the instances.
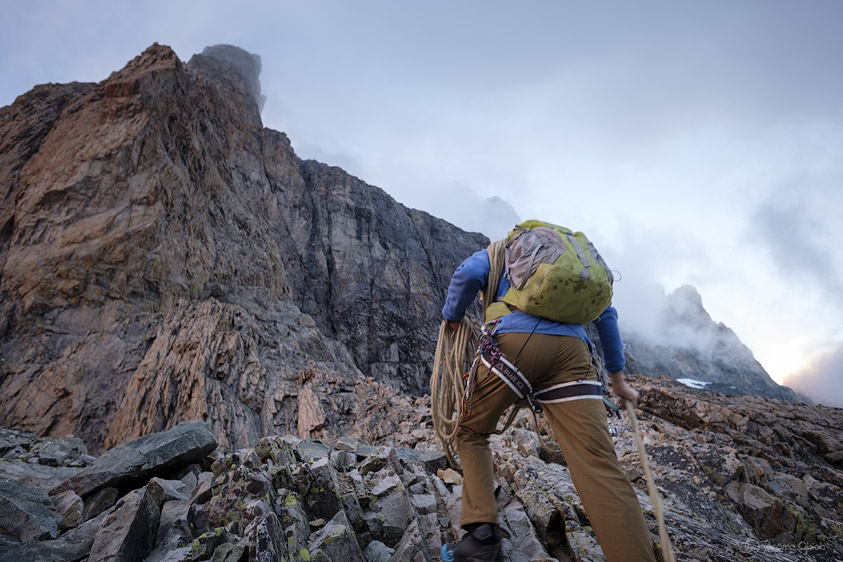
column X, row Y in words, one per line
column 99, row 501
column 163, row 491
column 40, row 475
column 390, row 509
column 337, row 541
column 128, row 533
column 266, row 537
column 27, row 513
column 154, row 454
column 71, row 508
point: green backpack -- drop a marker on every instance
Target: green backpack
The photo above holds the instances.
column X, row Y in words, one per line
column 554, row 273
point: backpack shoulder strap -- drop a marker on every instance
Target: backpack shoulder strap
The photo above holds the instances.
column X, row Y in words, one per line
column 496, row 261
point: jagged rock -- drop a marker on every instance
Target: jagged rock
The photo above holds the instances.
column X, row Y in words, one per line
column 99, row 501
column 71, row 507
column 229, row 552
column 40, row 461
column 411, row 546
column 424, row 503
column 390, row 510
column 206, row 544
column 525, row 546
column 337, row 541
column 295, row 522
column 152, row 454
column 128, row 533
column 26, row 512
column 450, row 476
column 267, row 540
column 39, row 475
column 169, row 554
column 434, row 461
column 202, row 492
column 163, row 491
column 378, row 552
column 760, row 509
column 72, row 546
column 173, row 525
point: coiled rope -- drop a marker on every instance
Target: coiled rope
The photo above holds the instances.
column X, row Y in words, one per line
column 454, row 354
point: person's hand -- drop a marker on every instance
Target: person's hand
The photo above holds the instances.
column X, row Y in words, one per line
column 623, row 390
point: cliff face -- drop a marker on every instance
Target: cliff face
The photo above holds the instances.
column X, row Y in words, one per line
column 158, row 250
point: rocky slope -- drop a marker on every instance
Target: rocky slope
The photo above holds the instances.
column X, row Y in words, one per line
column 740, row 479
column 163, row 258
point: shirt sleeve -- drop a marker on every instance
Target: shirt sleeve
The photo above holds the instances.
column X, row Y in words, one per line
column 468, row 280
column 610, row 339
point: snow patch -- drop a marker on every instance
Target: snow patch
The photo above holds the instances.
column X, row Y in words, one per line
column 694, row 383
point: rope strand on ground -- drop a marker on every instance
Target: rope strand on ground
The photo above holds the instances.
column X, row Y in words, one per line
column 667, row 548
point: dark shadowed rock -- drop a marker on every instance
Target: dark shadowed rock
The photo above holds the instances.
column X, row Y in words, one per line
column 157, row 453
column 72, row 546
column 128, row 533
column 99, row 501
column 26, row 512
column 40, row 475
column 267, row 541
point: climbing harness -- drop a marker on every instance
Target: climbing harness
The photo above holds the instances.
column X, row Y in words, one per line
column 491, row 356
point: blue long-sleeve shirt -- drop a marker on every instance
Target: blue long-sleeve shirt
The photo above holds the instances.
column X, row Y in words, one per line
column 473, row 274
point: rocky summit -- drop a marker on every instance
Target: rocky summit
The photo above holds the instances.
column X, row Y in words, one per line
column 211, row 349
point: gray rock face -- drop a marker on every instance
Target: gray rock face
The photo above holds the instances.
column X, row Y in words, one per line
column 26, row 512
column 380, row 267
column 234, row 60
column 152, row 454
column 128, row 533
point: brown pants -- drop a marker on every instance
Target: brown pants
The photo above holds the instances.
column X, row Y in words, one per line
column 580, row 428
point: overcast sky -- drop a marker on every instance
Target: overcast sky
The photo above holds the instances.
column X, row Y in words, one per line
column 694, row 142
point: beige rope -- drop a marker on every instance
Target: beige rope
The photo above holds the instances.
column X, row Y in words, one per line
column 667, row 549
column 454, row 355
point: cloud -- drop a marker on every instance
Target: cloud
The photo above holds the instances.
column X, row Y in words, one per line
column 821, row 379
column 795, row 228
column 472, row 212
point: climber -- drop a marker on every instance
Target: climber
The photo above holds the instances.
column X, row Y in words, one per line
column 557, row 360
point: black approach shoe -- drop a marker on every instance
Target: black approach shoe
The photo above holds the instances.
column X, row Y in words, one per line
column 481, row 544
